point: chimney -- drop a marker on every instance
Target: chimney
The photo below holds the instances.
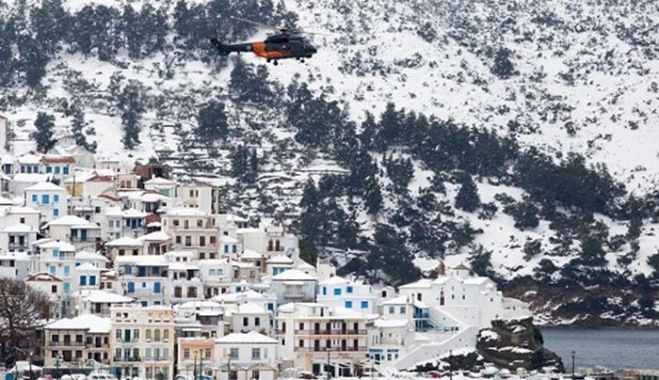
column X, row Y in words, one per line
column 441, row 268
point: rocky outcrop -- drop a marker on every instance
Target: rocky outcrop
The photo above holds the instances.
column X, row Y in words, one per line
column 516, row 343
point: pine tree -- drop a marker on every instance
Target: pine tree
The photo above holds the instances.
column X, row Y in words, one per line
column 212, row 124
column 132, row 32
column 390, row 255
column 373, row 196
column 131, row 103
column 467, row 198
column 77, row 125
column 43, row 136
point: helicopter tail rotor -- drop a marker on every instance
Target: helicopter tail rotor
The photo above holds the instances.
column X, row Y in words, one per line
column 222, row 49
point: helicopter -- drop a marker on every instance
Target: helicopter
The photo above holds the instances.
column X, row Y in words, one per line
column 285, row 44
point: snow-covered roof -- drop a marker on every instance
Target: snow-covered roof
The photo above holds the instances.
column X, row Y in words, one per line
column 101, row 296
column 133, row 213
column 183, row 266
column 400, row 300
column 42, row 277
column 73, row 222
column 152, row 197
column 19, row 228
column 144, row 260
column 293, row 275
column 306, row 267
column 45, row 186
column 6, row 159
column 29, row 159
column 58, row 244
column 422, row 283
column 251, row 255
column 185, row 211
column 227, row 240
column 336, row 280
column 87, row 266
column 23, row 210
column 125, row 241
column 475, row 280
column 251, row 337
column 155, row 236
column 31, row 177
column 80, row 177
column 6, row 202
column 159, row 181
column 91, row 322
column 91, row 256
column 391, row 323
column 280, row 259
column 250, row 308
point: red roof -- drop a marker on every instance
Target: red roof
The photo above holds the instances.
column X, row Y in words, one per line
column 109, row 197
column 42, row 277
column 58, row 160
column 152, row 218
column 100, row 178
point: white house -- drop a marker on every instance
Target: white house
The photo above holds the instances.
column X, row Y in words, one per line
column 294, row 285
column 60, row 167
column 200, row 195
column 18, row 238
column 251, row 317
column 51, row 200
column 350, row 294
column 248, row 356
column 57, row 258
column 80, row 232
column 14, row 265
column 22, row 181
column 163, row 186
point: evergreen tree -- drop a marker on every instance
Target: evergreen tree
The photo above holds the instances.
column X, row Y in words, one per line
column 503, row 67
column 390, row 255
column 467, row 198
column 33, row 61
column 369, row 131
column 212, row 123
column 131, row 104
column 132, row 32
column 43, row 136
column 77, row 126
column 592, row 253
column 373, row 196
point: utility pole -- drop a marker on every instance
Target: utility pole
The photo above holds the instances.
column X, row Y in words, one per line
column 328, row 362
column 573, row 354
column 450, row 364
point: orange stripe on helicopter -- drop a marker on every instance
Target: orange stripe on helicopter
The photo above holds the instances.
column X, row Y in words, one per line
column 259, row 49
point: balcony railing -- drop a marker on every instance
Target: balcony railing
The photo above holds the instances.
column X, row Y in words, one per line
column 97, row 345
column 66, row 344
column 331, row 332
column 332, row 349
column 127, row 359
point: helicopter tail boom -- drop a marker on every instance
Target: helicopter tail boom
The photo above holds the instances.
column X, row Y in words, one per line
column 224, row 49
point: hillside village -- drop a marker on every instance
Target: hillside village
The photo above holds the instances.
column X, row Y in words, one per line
column 151, row 277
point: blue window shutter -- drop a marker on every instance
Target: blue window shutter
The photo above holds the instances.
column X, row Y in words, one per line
column 271, row 306
column 324, row 290
column 55, row 213
column 65, row 170
column 348, row 304
column 92, row 280
column 35, row 198
column 49, row 169
column 67, row 287
column 130, row 287
column 349, row 289
column 55, row 198
column 337, row 291
column 56, row 169
column 226, row 248
column 364, row 304
column 83, row 280
column 156, row 287
column 45, row 199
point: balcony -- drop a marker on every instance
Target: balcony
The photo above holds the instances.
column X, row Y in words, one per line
column 18, row 246
column 331, row 332
column 66, row 344
column 132, row 359
column 332, row 349
column 97, row 345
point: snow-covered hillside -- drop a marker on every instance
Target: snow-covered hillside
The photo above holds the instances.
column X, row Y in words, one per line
column 562, row 76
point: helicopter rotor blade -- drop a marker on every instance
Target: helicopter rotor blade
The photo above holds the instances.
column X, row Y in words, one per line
column 253, row 22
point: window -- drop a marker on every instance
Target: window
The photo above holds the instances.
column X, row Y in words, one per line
column 35, row 198
column 202, row 241
column 211, row 272
column 92, row 280
column 257, row 321
column 245, row 321
column 148, row 334
column 256, row 354
column 67, row 271
column 56, row 213
column 213, row 240
column 49, row 169
column 53, row 288
column 186, row 353
column 348, row 304
column 65, row 170
column 83, row 281
column 403, row 310
column 188, row 241
column 324, row 290
column 57, row 169
column 233, row 353
column 178, row 240
column 391, row 310
column 45, row 199
column 234, row 248
column 226, row 248
column 55, row 198
column 337, row 291
column 349, row 289
column 52, row 270
column 156, row 335
column 364, row 304
column 147, row 353
column 191, row 193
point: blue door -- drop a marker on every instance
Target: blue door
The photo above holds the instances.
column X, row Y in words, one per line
column 83, row 235
column 130, row 288
column 156, row 287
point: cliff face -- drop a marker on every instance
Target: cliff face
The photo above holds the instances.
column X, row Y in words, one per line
column 516, row 343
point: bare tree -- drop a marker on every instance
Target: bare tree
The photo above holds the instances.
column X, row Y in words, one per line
column 22, row 311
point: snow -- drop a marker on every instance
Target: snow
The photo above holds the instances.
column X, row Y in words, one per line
column 93, row 323
column 251, row 337
column 45, row 186
column 293, row 275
